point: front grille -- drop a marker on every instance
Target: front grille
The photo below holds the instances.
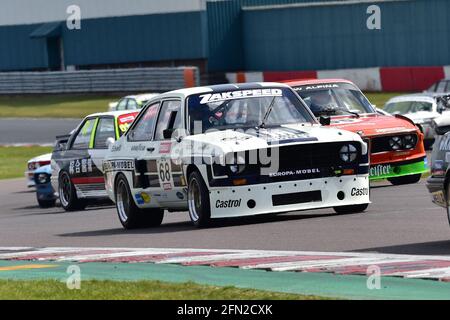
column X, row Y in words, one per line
column 296, row 198
column 381, row 144
column 322, row 155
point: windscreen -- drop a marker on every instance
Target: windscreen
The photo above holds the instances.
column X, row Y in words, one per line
column 245, row 109
column 334, row 99
column 404, row 107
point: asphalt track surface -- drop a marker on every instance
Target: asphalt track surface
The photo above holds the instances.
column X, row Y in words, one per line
column 401, row 220
column 34, row 131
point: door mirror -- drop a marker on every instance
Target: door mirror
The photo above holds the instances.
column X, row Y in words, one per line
column 167, row 133
column 325, row 121
column 109, row 142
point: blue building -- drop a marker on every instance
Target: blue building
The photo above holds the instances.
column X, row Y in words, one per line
column 221, row 35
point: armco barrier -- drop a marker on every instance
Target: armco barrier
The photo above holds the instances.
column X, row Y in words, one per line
column 89, row 81
column 388, row 79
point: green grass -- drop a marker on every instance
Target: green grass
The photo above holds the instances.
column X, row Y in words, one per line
column 54, row 106
column 380, row 98
column 13, row 160
column 140, row 290
column 78, row 106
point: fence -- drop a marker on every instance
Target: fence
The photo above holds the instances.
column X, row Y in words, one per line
column 90, row 81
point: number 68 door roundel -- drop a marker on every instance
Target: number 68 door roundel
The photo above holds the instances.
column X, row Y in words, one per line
column 165, row 173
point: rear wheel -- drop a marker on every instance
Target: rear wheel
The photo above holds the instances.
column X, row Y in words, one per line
column 405, row 180
column 131, row 216
column 68, row 195
column 198, row 201
column 351, row 209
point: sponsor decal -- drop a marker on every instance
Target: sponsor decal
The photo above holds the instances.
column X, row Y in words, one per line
column 180, row 195
column 239, row 94
column 359, row 192
column 80, row 166
column 116, row 148
column 438, row 168
column 317, row 87
column 444, row 145
column 139, row 147
column 298, row 172
column 282, row 135
column 391, row 129
column 142, row 198
column 380, row 170
column 165, row 147
column 228, row 203
column 114, row 165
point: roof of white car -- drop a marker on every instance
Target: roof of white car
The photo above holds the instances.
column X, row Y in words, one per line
column 413, row 97
column 224, row 87
column 112, row 113
column 143, row 96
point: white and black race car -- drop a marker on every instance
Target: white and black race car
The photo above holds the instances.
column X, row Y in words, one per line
column 77, row 158
column 230, row 151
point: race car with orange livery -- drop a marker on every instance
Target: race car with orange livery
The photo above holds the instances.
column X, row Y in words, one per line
column 396, row 145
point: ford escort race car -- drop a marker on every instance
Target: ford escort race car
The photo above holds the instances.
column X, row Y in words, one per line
column 396, row 146
column 233, row 150
column 77, row 162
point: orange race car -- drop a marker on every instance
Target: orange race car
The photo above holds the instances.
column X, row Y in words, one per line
column 396, row 146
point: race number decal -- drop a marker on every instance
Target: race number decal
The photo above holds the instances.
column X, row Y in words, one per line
column 165, row 174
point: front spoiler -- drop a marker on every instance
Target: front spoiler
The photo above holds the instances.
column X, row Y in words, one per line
column 395, row 169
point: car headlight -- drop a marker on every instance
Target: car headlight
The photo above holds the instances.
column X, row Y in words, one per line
column 42, row 178
column 348, row 153
column 396, row 143
column 409, row 141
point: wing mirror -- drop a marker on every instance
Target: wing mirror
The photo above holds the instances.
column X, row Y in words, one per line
column 109, row 142
column 325, row 121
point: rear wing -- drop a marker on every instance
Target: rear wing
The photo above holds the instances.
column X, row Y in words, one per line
column 61, row 142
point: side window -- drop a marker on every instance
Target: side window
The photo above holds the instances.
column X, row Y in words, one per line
column 132, row 105
column 441, row 86
column 143, row 130
column 169, row 118
column 105, row 130
column 84, row 135
column 122, row 105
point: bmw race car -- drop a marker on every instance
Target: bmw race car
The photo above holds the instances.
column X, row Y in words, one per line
column 230, row 151
column 396, row 145
column 77, row 159
column 45, row 194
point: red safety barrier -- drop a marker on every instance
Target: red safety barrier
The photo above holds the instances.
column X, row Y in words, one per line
column 397, row 79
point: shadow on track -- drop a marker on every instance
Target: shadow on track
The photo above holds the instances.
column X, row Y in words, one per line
column 423, row 248
column 187, row 226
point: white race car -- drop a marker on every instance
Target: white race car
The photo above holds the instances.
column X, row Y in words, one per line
column 420, row 108
column 34, row 164
column 230, row 151
column 134, row 102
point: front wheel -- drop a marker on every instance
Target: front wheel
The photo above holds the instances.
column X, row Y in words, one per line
column 130, row 215
column 68, row 195
column 351, row 209
column 198, row 201
column 405, row 180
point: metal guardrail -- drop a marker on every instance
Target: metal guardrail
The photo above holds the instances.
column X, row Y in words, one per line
column 88, row 81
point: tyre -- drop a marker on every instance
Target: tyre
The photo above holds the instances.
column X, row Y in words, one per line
column 198, row 200
column 351, row 209
column 447, row 199
column 130, row 216
column 46, row 203
column 405, row 180
column 68, row 195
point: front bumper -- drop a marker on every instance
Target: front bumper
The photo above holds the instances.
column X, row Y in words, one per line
column 436, row 188
column 398, row 169
column 265, row 198
column 29, row 176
